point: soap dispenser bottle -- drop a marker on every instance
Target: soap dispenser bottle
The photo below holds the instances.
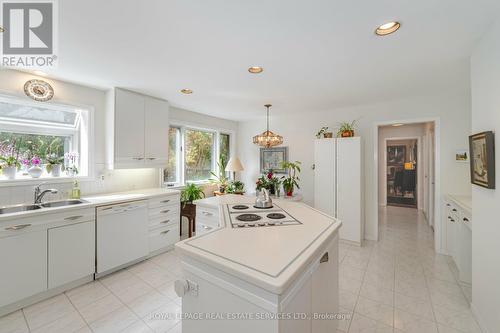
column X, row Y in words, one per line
column 75, row 192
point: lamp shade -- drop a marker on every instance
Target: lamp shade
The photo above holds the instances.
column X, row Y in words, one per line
column 234, row 165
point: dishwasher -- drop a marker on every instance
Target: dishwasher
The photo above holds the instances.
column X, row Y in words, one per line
column 122, row 235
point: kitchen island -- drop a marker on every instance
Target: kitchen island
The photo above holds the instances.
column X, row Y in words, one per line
column 275, row 273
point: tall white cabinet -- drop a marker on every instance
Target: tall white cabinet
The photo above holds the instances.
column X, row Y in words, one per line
column 137, row 130
column 338, row 184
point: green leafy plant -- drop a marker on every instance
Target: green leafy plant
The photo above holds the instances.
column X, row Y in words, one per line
column 291, row 180
column 53, row 159
column 236, row 187
column 268, row 181
column 220, row 179
column 321, row 132
column 191, row 193
column 346, row 129
column 10, row 161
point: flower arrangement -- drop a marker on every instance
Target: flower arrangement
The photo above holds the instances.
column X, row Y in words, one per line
column 35, row 161
column 72, row 162
column 9, row 159
column 268, row 181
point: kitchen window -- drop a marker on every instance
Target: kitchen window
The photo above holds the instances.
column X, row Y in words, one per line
column 45, row 136
column 194, row 153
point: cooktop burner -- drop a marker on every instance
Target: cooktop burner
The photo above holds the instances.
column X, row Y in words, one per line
column 276, row 216
column 248, row 217
column 240, row 207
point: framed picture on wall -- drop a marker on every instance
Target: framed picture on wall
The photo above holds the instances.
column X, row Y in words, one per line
column 482, row 159
column 462, row 155
column 271, row 159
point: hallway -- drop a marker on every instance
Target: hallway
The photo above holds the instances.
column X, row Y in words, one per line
column 400, row 284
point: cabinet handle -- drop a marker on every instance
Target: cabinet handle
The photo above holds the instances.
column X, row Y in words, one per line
column 165, row 211
column 324, row 258
column 454, row 210
column 448, row 205
column 207, row 228
column 72, row 218
column 165, row 222
column 138, row 158
column 466, row 219
column 165, row 201
column 207, row 213
column 151, row 158
column 164, row 232
column 18, row 227
column 452, row 220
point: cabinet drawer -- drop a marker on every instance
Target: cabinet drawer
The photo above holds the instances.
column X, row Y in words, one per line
column 162, row 221
column 203, row 228
column 207, row 216
column 164, row 201
column 163, row 237
column 163, row 211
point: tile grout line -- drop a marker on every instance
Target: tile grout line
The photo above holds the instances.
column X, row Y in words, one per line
column 81, row 316
column 26, row 320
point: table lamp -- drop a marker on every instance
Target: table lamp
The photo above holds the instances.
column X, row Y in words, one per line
column 234, row 165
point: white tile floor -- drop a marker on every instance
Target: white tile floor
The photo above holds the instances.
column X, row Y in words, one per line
column 395, row 285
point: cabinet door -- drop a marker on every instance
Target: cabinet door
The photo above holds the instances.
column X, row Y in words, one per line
column 324, row 290
column 23, row 259
column 156, row 124
column 324, row 176
column 129, row 127
column 71, row 253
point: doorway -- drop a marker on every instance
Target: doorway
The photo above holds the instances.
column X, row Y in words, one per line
column 401, row 172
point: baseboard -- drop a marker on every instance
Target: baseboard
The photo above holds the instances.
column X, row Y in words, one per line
column 349, row 242
column 480, row 322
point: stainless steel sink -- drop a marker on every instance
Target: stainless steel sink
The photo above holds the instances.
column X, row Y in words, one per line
column 18, row 208
column 62, row 203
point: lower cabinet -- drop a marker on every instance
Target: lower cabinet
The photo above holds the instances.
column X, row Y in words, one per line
column 71, row 253
column 207, row 219
column 23, row 259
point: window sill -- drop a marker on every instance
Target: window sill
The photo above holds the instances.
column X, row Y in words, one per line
column 35, row 181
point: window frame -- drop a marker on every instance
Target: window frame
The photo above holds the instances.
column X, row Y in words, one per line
column 83, row 137
column 181, row 166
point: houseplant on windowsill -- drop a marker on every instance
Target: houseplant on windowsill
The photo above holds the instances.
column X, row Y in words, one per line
column 9, row 160
column 236, row 187
column 290, row 181
column 55, row 165
column 346, row 129
column 35, row 171
column 221, row 179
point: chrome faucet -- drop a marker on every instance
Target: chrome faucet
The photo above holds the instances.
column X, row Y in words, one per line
column 39, row 194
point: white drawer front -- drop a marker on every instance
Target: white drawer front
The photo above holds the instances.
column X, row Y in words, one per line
column 163, row 237
column 203, row 228
column 161, row 221
column 164, row 201
column 207, row 216
column 164, row 211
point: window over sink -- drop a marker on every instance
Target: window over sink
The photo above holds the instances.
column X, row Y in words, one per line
column 43, row 140
column 194, row 154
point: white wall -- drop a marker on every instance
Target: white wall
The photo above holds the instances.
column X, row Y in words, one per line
column 485, row 77
column 201, row 120
column 452, row 107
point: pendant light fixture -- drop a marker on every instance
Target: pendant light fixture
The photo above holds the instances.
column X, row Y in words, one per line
column 268, row 139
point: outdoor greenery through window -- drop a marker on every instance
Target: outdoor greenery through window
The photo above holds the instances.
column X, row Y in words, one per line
column 40, row 140
column 194, row 153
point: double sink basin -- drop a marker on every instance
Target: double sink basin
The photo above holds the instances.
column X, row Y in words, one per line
column 26, row 208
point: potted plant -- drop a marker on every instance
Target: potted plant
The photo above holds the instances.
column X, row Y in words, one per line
column 55, row 164
column 35, row 171
column 236, row 187
column 72, row 160
column 346, row 129
column 268, row 181
column 221, row 180
column 9, row 158
column 323, row 132
column 290, row 181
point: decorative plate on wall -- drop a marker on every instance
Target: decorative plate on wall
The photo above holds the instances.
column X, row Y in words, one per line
column 39, row 90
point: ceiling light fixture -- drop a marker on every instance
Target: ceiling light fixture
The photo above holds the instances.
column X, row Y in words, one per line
column 255, row 69
column 186, row 91
column 387, row 28
column 268, row 139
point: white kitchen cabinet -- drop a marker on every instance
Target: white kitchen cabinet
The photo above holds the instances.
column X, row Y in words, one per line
column 164, row 217
column 338, row 184
column 23, row 259
column 71, row 253
column 156, row 124
column 138, row 130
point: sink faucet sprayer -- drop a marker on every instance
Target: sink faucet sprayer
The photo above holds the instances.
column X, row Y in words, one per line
column 39, row 194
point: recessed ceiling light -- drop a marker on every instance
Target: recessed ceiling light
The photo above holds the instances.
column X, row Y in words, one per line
column 186, row 91
column 39, row 73
column 387, row 28
column 397, row 125
column 256, row 69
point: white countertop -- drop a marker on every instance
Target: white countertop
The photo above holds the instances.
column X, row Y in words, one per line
column 96, row 200
column 270, row 257
column 215, row 201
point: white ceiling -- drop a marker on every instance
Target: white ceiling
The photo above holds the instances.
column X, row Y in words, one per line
column 317, row 55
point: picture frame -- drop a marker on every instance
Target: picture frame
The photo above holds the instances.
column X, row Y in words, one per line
column 271, row 158
column 396, row 155
column 462, row 156
column 482, row 159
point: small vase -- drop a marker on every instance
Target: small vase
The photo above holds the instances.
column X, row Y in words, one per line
column 35, row 171
column 9, row 172
column 347, row 134
column 56, row 170
column 289, row 193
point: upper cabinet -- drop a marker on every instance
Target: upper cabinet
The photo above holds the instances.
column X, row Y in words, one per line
column 137, row 130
